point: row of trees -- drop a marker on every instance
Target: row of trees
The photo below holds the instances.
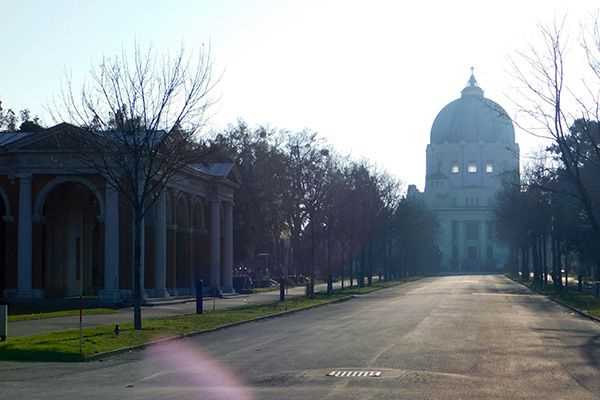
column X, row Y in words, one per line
column 316, row 212
column 137, row 121
column 556, row 211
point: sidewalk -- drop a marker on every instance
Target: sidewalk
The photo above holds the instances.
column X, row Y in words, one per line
column 32, row 327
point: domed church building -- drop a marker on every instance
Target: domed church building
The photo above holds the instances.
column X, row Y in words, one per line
column 472, row 150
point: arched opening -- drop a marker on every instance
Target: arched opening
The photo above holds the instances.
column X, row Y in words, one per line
column 182, row 249
column 71, row 241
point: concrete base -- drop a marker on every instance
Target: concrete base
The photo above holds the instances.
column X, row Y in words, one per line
column 228, row 290
column 157, row 293
column 24, row 294
column 185, row 292
column 114, row 295
column 173, row 291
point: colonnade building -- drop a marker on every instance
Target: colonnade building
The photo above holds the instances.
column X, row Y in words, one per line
column 472, row 151
column 64, row 233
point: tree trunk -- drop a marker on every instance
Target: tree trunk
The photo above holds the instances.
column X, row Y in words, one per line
column 370, row 266
column 329, row 284
column 535, row 259
column 545, row 259
column 556, row 275
column 514, row 255
column 137, row 267
column 351, row 265
column 311, row 291
column 361, row 270
column 390, row 254
column 525, row 263
column 343, row 260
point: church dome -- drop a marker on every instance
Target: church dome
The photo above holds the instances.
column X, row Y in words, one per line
column 472, row 118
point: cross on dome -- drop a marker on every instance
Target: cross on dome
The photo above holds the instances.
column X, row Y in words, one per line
column 472, row 80
column 472, row 88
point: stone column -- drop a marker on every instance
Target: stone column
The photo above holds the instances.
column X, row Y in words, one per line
column 482, row 243
column 215, row 245
column 111, row 245
column 228, row 254
column 160, row 248
column 461, row 244
column 25, row 239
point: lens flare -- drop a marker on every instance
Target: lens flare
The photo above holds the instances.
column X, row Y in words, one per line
column 207, row 376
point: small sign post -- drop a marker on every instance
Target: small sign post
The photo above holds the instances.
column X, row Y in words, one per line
column 3, row 322
column 199, row 299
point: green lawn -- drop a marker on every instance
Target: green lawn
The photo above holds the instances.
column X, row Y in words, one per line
column 572, row 297
column 347, row 290
column 64, row 346
column 375, row 286
column 41, row 314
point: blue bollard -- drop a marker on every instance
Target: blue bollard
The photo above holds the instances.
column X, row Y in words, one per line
column 199, row 287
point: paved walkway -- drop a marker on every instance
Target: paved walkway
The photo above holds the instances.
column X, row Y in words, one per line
column 32, row 327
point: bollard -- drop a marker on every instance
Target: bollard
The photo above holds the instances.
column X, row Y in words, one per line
column 329, row 283
column 282, row 289
column 199, row 290
column 580, row 282
column 3, row 322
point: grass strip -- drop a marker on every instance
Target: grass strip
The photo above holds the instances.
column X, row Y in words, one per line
column 375, row 286
column 62, row 313
column 64, row 345
column 573, row 297
column 349, row 290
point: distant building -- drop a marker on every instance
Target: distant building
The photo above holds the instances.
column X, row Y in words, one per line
column 63, row 232
column 472, row 150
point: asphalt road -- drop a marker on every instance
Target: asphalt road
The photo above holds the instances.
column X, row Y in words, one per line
column 459, row 337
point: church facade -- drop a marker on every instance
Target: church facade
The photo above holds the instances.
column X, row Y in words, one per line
column 472, row 151
column 64, row 233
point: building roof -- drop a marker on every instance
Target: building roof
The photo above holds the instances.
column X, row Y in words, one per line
column 472, row 118
column 7, row 138
column 214, row 169
column 224, row 171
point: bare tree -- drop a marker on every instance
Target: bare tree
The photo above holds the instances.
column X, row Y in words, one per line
column 308, row 169
column 138, row 121
column 554, row 106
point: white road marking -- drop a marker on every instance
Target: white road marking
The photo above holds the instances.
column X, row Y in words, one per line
column 348, row 374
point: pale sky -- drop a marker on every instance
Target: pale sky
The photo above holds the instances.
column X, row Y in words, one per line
column 370, row 76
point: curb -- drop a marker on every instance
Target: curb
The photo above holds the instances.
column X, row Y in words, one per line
column 560, row 302
column 104, row 354
column 577, row 310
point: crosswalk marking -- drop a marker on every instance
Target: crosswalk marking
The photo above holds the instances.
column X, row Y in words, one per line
column 348, row 374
